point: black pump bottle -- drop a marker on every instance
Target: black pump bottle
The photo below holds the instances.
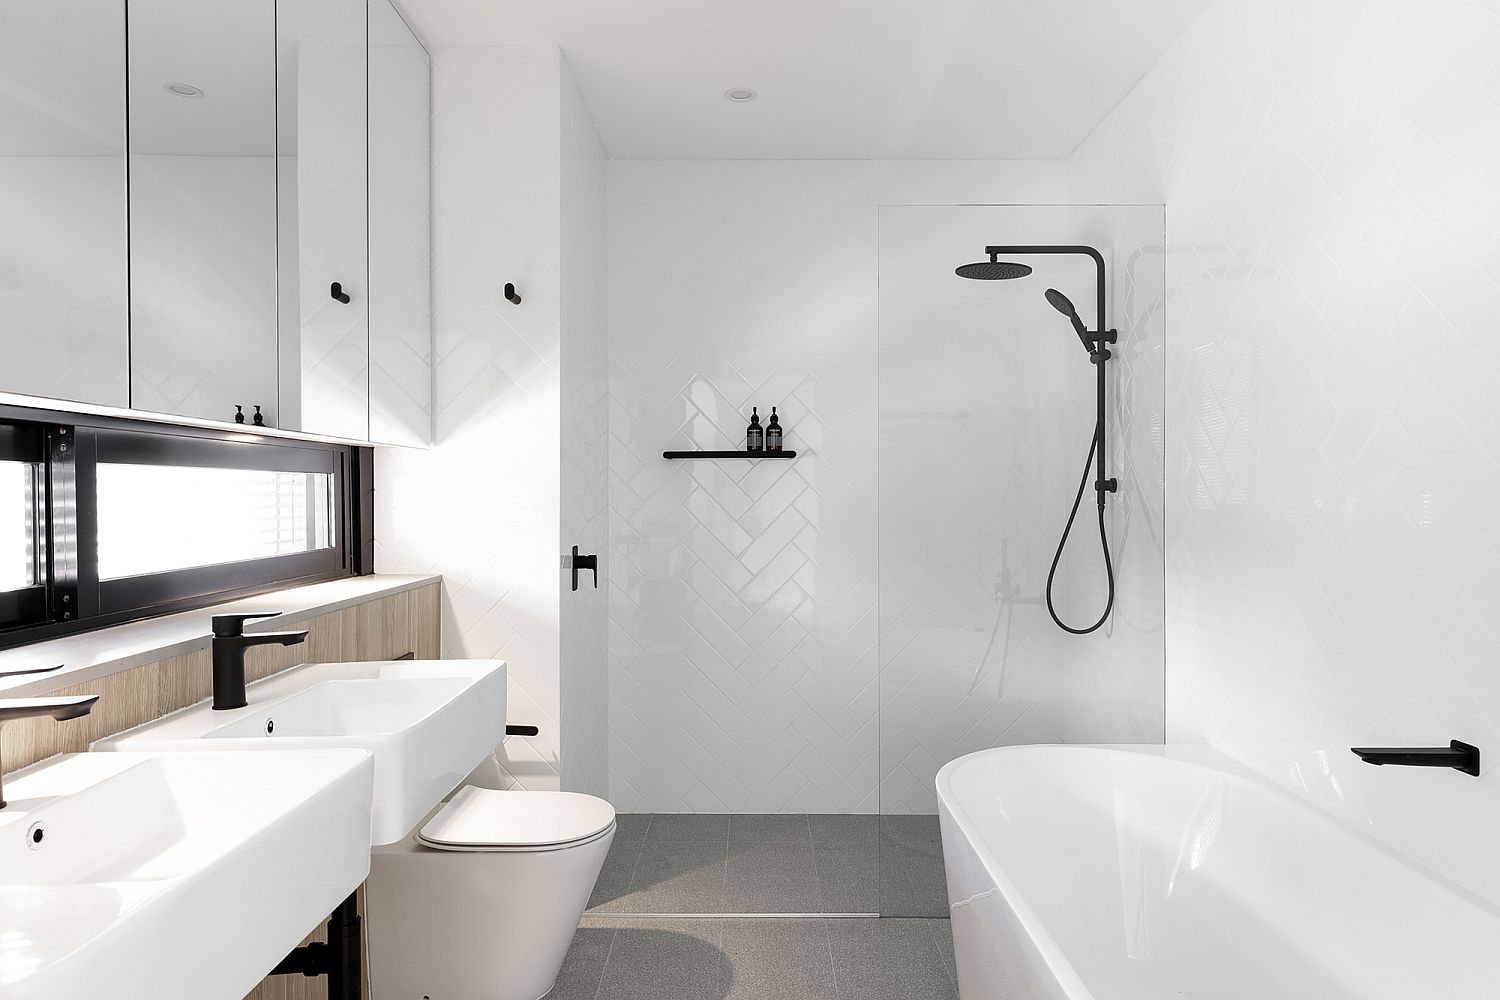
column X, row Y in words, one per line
column 773, row 432
column 755, row 437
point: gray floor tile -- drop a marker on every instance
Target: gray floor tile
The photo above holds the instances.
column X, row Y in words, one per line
column 631, row 827
column 677, row 877
column 771, row 878
column 913, row 882
column 583, row 968
column 888, row 959
column 613, row 884
column 663, row 960
column 697, row 827
column 942, row 935
column 848, row 878
column 761, row 828
column 919, row 831
column 835, row 830
column 776, row 960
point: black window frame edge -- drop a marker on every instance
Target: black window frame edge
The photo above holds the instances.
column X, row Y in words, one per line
column 73, row 598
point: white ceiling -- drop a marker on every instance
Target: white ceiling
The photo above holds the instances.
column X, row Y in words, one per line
column 861, row 79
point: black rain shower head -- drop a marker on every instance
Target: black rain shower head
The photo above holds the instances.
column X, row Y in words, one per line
column 993, row 270
column 1064, row 305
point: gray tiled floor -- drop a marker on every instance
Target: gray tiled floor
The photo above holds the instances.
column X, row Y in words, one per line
column 634, row 958
column 723, row 864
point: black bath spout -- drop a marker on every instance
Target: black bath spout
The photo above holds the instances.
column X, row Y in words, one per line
column 1459, row 756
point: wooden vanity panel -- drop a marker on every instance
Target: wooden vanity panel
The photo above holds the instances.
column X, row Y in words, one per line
column 381, row 628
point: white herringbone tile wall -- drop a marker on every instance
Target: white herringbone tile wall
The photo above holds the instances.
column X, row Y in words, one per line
column 744, row 604
column 1332, row 176
column 482, row 506
column 986, row 411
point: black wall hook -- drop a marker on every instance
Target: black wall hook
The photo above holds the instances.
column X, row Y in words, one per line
column 512, row 294
column 336, row 290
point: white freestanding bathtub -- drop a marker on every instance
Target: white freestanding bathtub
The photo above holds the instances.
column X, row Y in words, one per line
column 1151, row 873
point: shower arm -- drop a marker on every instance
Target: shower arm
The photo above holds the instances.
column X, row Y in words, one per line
column 1100, row 354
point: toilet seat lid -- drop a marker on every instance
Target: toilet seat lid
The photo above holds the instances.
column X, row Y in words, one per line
column 485, row 818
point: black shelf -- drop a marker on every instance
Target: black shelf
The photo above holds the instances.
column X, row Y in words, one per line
column 728, row 454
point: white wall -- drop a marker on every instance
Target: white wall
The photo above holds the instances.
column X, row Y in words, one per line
column 985, row 399
column 1330, row 175
column 585, row 447
column 482, row 506
column 1113, row 682
column 744, row 606
column 987, row 404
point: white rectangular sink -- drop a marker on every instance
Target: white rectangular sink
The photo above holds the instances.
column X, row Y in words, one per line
column 141, row 876
column 427, row 723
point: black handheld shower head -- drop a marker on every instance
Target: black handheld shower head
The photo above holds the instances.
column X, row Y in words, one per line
column 1062, row 304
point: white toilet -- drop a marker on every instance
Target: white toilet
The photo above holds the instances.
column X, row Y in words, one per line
column 482, row 901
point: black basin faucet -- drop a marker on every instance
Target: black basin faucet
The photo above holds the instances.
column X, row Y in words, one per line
column 230, row 643
column 59, row 708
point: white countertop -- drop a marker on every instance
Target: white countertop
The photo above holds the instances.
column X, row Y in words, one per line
column 91, row 655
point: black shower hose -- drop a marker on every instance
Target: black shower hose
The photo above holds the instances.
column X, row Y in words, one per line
column 1109, row 569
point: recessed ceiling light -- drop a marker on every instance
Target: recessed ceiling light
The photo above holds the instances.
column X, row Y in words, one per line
column 182, row 90
column 739, row 95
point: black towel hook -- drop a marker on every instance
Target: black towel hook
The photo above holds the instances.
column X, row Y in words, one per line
column 336, row 290
column 510, row 293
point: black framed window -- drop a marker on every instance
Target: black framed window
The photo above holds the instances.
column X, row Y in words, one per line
column 23, row 544
column 105, row 520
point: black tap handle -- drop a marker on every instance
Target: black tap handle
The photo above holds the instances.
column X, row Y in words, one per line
column 590, row 563
column 30, row 670
column 226, row 626
column 336, row 290
column 512, row 294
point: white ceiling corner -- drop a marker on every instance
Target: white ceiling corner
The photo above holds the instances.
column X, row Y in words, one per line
column 838, row 79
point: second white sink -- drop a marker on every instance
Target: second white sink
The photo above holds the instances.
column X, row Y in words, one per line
column 427, row 723
column 142, row 876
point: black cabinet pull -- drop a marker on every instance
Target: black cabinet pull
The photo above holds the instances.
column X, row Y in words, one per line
column 590, row 563
column 521, row 730
column 336, row 291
